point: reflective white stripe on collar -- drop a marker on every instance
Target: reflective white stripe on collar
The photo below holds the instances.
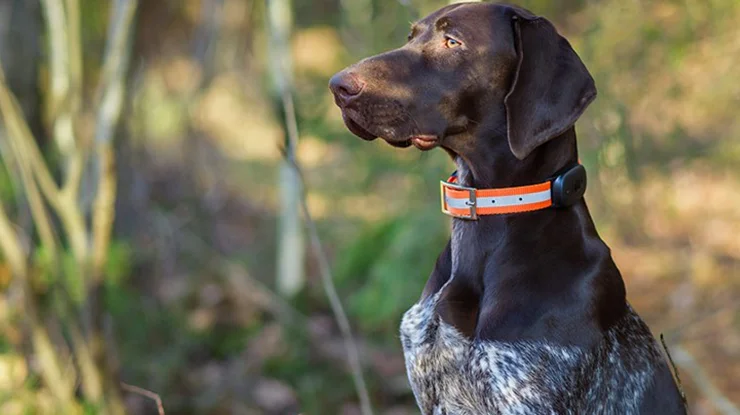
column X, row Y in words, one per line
column 469, row 203
column 566, row 188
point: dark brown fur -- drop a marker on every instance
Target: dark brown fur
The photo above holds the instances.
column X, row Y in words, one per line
column 502, row 100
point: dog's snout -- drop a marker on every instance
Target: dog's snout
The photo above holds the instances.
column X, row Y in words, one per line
column 345, row 86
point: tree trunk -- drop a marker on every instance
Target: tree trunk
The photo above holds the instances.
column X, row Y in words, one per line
column 291, row 249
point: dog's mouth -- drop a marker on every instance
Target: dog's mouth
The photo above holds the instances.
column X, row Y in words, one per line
column 425, row 142
column 357, row 129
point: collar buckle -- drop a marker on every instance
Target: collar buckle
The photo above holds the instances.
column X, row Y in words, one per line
column 470, row 203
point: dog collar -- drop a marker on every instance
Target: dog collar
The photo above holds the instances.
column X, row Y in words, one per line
column 564, row 189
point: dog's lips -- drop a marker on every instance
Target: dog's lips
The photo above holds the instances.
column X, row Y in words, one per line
column 399, row 144
column 425, row 142
column 357, row 129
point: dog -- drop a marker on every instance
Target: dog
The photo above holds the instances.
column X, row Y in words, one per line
column 525, row 311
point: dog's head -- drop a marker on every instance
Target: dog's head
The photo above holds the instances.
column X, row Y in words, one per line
column 468, row 71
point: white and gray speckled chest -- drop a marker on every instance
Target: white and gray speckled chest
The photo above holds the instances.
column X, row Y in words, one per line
column 453, row 375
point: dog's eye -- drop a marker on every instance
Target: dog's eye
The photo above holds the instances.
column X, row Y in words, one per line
column 451, row 43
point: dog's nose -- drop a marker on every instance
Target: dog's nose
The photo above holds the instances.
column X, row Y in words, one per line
column 345, row 86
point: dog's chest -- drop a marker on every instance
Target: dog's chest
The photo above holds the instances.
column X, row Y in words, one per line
column 453, row 375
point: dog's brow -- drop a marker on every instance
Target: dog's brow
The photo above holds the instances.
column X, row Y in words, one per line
column 443, row 23
column 414, row 29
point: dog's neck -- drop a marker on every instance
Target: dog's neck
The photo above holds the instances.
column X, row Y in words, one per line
column 516, row 253
column 490, row 164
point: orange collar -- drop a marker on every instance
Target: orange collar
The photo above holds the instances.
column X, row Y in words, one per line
column 469, row 203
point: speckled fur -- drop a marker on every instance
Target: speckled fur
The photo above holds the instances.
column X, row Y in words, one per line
column 452, row 375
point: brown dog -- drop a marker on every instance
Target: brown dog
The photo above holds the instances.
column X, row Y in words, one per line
column 525, row 311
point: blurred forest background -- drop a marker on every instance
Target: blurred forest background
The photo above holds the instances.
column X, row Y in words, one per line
column 142, row 238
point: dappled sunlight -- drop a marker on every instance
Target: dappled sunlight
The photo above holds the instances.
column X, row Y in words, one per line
column 696, row 205
column 241, row 129
column 160, row 114
column 681, row 73
column 316, row 51
column 182, row 75
column 315, row 153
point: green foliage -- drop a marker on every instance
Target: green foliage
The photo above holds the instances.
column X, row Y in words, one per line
column 120, row 262
column 318, row 384
column 7, row 192
column 358, row 258
column 222, row 341
column 391, row 263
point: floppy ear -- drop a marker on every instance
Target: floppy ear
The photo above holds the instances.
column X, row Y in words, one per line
column 551, row 87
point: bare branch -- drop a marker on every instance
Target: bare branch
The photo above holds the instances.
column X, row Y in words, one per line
column 19, row 134
column 19, row 130
column 74, row 40
column 36, row 203
column 76, row 158
column 149, row 394
column 90, row 376
column 64, row 104
column 65, row 72
column 109, row 111
column 115, row 65
column 290, row 276
column 11, row 246
column 54, row 375
column 48, row 358
column 58, row 35
column 64, row 203
column 31, row 164
column 328, row 283
column 675, row 370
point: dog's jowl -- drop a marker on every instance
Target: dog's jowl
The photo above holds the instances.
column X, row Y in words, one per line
column 525, row 311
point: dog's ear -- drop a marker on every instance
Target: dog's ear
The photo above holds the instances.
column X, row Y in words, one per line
column 551, row 86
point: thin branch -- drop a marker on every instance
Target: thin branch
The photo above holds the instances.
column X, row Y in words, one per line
column 13, row 117
column 116, row 62
column 65, row 75
column 149, row 394
column 35, row 201
column 90, row 376
column 63, row 203
column 64, row 105
column 17, row 136
column 328, row 281
column 675, row 370
column 11, row 246
column 74, row 40
column 77, row 157
column 59, row 73
column 48, row 358
column 290, row 275
column 31, row 163
column 59, row 381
